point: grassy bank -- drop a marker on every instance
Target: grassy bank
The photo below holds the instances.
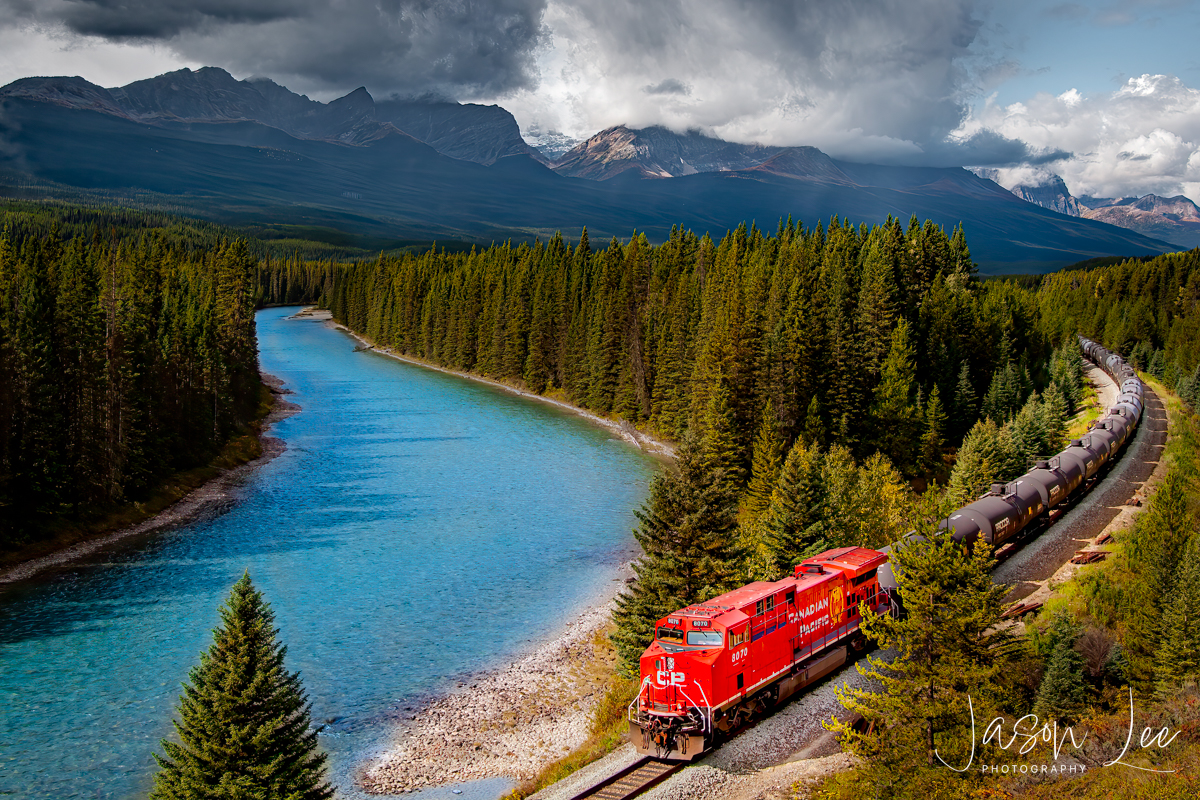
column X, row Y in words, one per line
column 61, row 534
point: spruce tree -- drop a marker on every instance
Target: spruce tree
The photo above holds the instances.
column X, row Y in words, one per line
column 243, row 719
column 1062, row 692
column 720, row 454
column 944, row 648
column 893, row 410
column 814, row 425
column 794, row 517
column 765, row 463
column 932, row 438
column 965, row 411
column 1178, row 658
column 687, row 531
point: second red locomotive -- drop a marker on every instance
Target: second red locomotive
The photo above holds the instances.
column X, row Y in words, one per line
column 714, row 664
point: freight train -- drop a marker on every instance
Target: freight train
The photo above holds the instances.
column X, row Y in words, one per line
column 714, row 665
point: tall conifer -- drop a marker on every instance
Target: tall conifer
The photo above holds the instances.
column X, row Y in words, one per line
column 932, row 438
column 794, row 516
column 893, row 410
column 687, row 530
column 244, row 721
column 944, row 648
column 766, row 461
column 1178, row 657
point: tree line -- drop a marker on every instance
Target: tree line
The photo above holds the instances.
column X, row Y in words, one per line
column 126, row 358
column 1130, row 623
column 843, row 330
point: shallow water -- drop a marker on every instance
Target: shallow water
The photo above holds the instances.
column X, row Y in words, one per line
column 419, row 527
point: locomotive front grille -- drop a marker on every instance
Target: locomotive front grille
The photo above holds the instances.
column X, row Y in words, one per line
column 660, row 706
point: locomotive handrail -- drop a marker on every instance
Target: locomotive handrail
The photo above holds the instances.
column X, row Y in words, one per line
column 636, row 698
column 706, row 707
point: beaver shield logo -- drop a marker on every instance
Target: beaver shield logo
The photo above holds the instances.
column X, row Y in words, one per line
column 837, row 604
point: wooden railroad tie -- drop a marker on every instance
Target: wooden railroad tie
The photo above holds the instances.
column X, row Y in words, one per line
column 1104, row 538
column 1088, row 556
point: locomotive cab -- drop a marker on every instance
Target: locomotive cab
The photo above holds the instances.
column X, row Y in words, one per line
column 674, row 706
column 713, row 666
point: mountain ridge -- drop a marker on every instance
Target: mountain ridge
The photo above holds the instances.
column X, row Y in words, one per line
column 211, row 94
column 1171, row 219
column 176, row 143
column 656, row 152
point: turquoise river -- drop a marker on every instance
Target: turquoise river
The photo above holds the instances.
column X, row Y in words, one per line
column 419, row 527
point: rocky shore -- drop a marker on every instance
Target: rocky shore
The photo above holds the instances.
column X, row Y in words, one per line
column 506, row 723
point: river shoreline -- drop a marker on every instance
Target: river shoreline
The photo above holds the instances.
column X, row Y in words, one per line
column 195, row 503
column 640, row 439
column 507, row 722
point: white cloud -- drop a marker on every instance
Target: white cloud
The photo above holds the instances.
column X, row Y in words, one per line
column 880, row 79
column 1142, row 138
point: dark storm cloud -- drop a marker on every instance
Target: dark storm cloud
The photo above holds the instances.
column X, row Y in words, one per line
column 988, row 148
column 456, row 47
column 668, row 86
column 869, row 78
column 156, row 19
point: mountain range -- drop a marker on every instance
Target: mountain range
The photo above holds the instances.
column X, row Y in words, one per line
column 1170, row 219
column 253, row 152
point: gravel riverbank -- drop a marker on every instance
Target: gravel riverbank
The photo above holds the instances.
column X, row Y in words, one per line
column 505, row 723
column 622, row 428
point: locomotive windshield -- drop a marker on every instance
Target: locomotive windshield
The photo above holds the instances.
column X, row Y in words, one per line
column 666, row 634
column 704, row 638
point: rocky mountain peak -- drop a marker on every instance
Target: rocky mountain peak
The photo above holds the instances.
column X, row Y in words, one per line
column 73, row 92
column 657, row 152
column 1177, row 208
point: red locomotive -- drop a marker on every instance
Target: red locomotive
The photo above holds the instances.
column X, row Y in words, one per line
column 714, row 664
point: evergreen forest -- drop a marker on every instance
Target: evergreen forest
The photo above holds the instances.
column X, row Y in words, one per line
column 824, row 386
column 128, row 352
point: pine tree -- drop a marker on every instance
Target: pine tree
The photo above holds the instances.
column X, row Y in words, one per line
column 875, row 302
column 765, row 463
column 794, row 516
column 893, row 410
column 243, row 719
column 945, row 647
column 1178, row 657
column 1155, row 551
column 1062, row 692
column 720, row 453
column 965, row 411
column 814, row 425
column 687, row 531
column 931, row 439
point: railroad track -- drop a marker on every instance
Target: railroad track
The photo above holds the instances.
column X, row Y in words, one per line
column 632, row 781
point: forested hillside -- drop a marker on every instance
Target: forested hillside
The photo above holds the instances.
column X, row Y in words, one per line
column 1116, row 638
column 128, row 352
column 847, row 331
column 1146, row 309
